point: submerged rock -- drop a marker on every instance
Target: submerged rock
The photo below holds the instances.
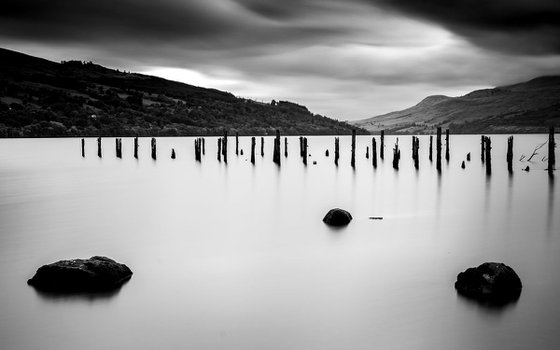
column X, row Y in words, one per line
column 97, row 274
column 491, row 282
column 337, row 217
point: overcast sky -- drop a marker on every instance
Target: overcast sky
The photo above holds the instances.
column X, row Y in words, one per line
column 347, row 59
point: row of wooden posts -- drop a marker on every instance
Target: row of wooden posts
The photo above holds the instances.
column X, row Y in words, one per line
column 485, row 151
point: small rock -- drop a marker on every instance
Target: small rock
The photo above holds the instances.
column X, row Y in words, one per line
column 491, row 282
column 337, row 217
column 526, row 168
column 97, row 274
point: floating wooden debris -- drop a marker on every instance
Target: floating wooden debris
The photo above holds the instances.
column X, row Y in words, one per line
column 376, row 217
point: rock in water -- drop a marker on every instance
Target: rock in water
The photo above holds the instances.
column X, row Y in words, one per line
column 97, row 274
column 491, row 282
column 337, row 217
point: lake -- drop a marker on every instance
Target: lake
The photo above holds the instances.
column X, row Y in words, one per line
column 236, row 256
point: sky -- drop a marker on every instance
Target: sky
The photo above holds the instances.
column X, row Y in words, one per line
column 346, row 59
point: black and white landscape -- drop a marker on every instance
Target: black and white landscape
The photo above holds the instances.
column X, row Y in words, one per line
column 243, row 174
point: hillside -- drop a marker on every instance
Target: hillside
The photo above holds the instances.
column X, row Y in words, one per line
column 521, row 108
column 43, row 98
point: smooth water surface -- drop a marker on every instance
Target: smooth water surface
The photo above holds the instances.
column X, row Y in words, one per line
column 236, row 256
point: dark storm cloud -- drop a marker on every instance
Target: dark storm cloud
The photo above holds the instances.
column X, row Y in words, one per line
column 524, row 26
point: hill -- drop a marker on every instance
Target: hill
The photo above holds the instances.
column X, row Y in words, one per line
column 521, row 108
column 73, row 98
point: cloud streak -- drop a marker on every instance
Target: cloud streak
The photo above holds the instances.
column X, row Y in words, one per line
column 348, row 59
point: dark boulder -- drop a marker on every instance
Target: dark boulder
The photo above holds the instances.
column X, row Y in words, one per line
column 491, row 282
column 337, row 217
column 97, row 274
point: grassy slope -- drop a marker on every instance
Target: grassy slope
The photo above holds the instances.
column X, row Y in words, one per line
column 521, row 108
column 44, row 98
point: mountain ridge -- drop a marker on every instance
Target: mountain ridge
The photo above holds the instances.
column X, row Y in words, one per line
column 527, row 107
column 40, row 98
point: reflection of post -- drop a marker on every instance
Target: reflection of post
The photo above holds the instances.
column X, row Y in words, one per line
column 99, row 147
column 488, row 147
column 373, row 152
column 253, row 144
column 509, row 156
column 83, row 148
column 353, row 159
column 551, row 146
column 438, row 149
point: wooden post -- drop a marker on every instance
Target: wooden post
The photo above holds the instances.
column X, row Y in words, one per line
column 438, row 149
column 262, row 146
column 305, row 150
column 431, row 147
column 509, row 156
column 551, row 155
column 173, row 153
column 463, row 165
column 236, row 143
column 118, row 147
column 353, row 159
column 488, row 148
column 373, row 152
column 99, row 147
column 382, row 145
column 154, row 149
column 469, row 157
column 220, row 149
column 396, row 155
column 415, row 148
column 327, row 152
column 197, row 149
column 482, row 145
column 447, row 145
column 224, row 145
column 203, row 146
column 367, row 152
column 336, row 150
column 136, row 147
column 285, row 147
column 83, row 148
column 301, row 146
column 253, row 144
column 276, row 151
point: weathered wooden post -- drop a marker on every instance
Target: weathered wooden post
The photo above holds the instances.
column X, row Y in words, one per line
column 382, row 145
column 220, row 149
column 99, row 147
column 447, row 145
column 463, row 165
column 136, row 147
column 154, row 149
column 509, row 156
column 173, row 153
column 373, row 152
column 327, row 152
column 438, row 149
column 118, row 147
column 224, row 146
column 415, row 148
column 488, row 148
column 431, row 146
column 301, row 146
column 83, row 148
column 482, row 145
column 336, row 150
column 305, row 150
column 469, row 157
column 262, row 146
column 367, row 152
column 286, row 147
column 551, row 155
column 396, row 155
column 236, row 143
column 276, row 150
column 203, row 146
column 197, row 149
column 253, row 144
column 353, row 158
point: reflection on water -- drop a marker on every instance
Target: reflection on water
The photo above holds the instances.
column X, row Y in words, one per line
column 237, row 256
column 78, row 296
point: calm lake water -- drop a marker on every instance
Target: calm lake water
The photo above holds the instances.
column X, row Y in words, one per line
column 236, row 256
